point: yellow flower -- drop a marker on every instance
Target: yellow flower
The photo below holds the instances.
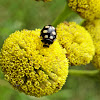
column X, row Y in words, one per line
column 43, row 0
column 77, row 42
column 88, row 9
column 32, row 68
column 94, row 29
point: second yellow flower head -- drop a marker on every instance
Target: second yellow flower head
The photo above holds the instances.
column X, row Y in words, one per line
column 77, row 42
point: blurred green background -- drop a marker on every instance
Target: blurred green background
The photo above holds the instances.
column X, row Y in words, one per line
column 29, row 14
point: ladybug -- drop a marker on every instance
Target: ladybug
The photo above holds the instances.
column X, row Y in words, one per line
column 48, row 34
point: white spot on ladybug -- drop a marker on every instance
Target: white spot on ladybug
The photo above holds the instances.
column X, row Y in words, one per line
column 47, row 26
column 53, row 28
column 46, row 36
column 45, row 31
column 51, row 37
column 54, row 33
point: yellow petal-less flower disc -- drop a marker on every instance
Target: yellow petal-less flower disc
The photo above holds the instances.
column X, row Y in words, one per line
column 88, row 9
column 94, row 29
column 32, row 68
column 77, row 42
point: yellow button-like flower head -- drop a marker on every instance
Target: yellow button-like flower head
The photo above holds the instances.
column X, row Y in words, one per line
column 94, row 29
column 88, row 9
column 77, row 42
column 32, row 68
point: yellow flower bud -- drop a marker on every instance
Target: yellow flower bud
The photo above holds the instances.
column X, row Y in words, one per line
column 77, row 42
column 88, row 9
column 32, row 68
column 94, row 29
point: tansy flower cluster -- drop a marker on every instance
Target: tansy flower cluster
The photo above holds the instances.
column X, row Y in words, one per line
column 88, row 9
column 94, row 29
column 36, row 63
column 32, row 68
column 77, row 42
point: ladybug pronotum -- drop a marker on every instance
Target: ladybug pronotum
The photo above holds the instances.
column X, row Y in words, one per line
column 48, row 34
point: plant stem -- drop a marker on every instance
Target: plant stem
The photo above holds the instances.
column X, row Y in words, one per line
column 84, row 72
column 65, row 13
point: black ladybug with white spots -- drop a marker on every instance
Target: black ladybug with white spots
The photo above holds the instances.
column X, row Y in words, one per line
column 48, row 34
